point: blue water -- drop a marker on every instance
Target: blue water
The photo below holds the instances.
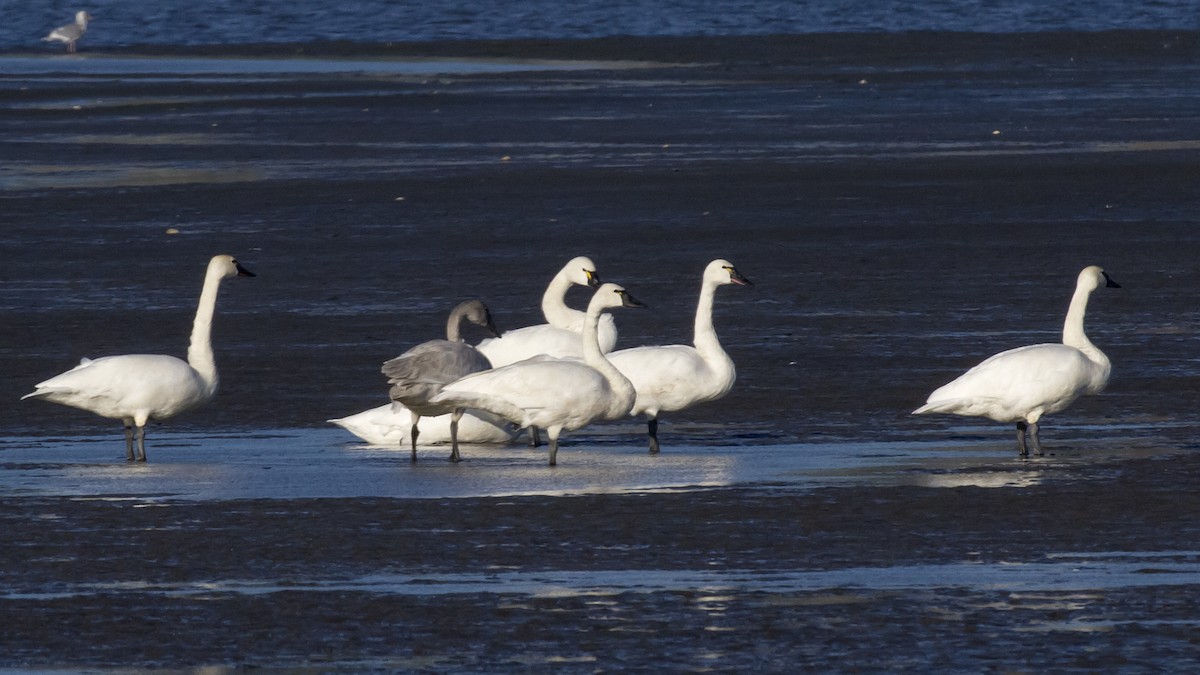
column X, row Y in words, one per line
column 125, row 23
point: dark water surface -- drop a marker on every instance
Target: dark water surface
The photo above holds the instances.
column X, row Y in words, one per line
column 166, row 23
column 904, row 212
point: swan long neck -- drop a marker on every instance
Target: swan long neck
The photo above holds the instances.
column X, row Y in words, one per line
column 554, row 305
column 594, row 357
column 1073, row 335
column 200, row 353
column 454, row 326
column 705, row 336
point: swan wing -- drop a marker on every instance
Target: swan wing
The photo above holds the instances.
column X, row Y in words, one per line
column 536, row 391
column 122, row 386
column 523, row 343
column 436, row 361
column 1014, row 384
column 670, row 377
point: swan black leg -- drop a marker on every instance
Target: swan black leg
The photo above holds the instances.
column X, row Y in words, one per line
column 414, row 433
column 1033, row 436
column 129, row 442
column 653, row 431
column 1024, row 451
column 454, row 417
column 553, row 451
column 535, row 437
column 141, row 443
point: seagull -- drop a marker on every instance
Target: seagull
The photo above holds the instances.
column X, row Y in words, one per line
column 71, row 32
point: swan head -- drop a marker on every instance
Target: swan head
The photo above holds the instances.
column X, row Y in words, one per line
column 1094, row 277
column 581, row 271
column 612, row 295
column 722, row 272
column 477, row 313
column 227, row 266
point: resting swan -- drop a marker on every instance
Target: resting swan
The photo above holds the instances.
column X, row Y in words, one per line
column 137, row 388
column 419, row 373
column 390, row 426
column 1023, row 384
column 675, row 377
column 550, row 393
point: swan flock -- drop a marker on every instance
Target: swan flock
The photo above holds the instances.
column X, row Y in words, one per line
column 564, row 374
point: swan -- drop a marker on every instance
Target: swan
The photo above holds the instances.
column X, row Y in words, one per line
column 550, row 393
column 390, row 425
column 559, row 337
column 419, row 373
column 1022, row 384
column 137, row 388
column 675, row 377
column 71, row 32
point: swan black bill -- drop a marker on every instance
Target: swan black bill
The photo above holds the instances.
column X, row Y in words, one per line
column 737, row 278
column 1108, row 282
column 627, row 300
column 593, row 278
column 243, row 272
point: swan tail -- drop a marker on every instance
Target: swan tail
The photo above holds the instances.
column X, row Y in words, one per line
column 977, row 406
column 44, row 392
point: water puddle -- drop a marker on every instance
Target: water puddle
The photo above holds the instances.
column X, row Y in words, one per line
column 320, row 463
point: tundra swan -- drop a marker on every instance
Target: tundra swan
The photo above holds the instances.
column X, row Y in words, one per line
column 558, row 337
column 1022, row 384
column 390, row 425
column 675, row 377
column 550, row 393
column 419, row 373
column 137, row 388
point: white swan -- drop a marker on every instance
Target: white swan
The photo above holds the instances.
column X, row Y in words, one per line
column 390, row 425
column 137, row 388
column 419, row 373
column 559, row 337
column 1023, row 384
column 554, row 394
column 675, row 377
column 71, row 32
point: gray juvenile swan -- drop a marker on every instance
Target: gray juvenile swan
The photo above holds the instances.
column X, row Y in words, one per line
column 418, row 374
column 1023, row 384
column 137, row 388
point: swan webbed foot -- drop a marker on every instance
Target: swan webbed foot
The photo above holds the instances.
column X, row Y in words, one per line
column 652, row 426
column 535, row 437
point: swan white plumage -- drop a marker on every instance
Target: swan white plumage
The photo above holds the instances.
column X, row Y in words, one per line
column 675, row 377
column 419, row 373
column 554, row 394
column 137, row 388
column 390, row 425
column 71, row 32
column 1023, row 384
column 559, row 336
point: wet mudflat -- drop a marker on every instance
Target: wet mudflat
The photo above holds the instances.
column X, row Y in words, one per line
column 903, row 215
